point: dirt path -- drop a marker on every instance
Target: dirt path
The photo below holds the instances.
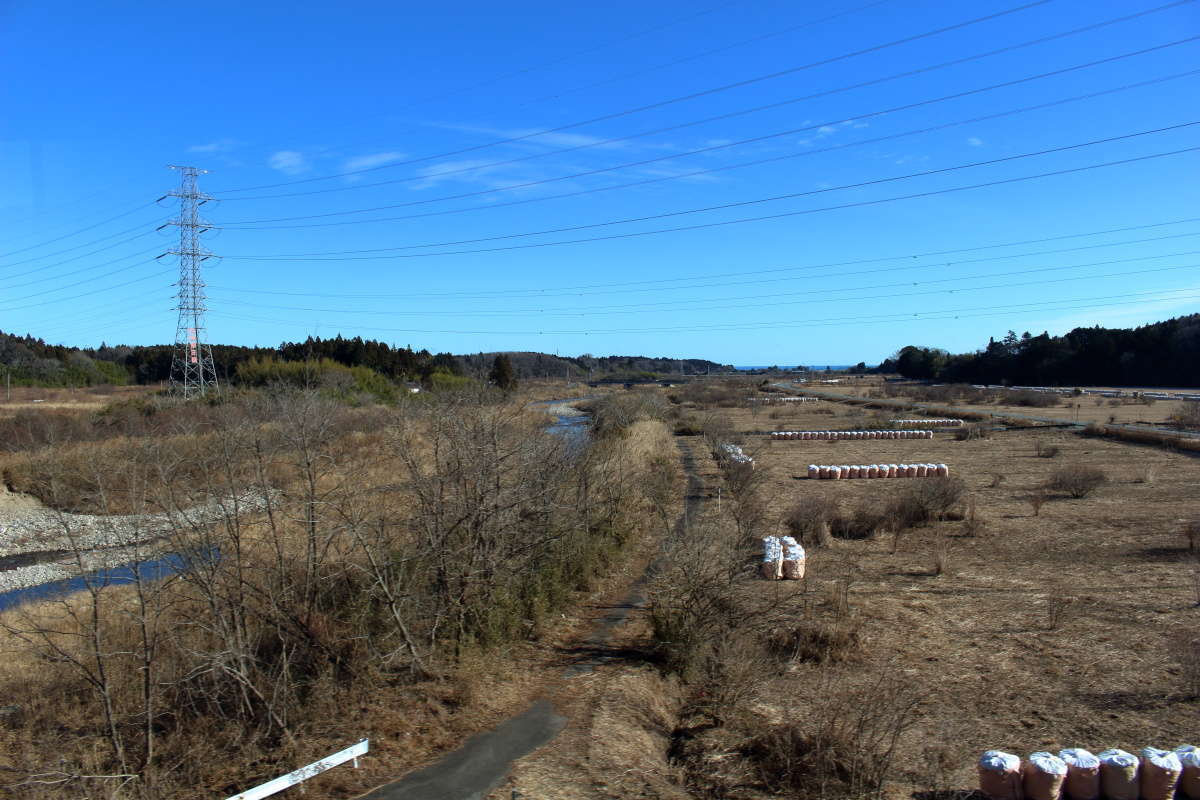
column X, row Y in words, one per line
column 560, row 728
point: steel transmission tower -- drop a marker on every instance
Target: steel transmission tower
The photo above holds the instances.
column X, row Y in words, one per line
column 193, row 373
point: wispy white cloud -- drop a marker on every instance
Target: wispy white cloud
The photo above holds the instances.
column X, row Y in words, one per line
column 974, row 141
column 218, row 146
column 476, row 171
column 372, row 160
column 289, row 162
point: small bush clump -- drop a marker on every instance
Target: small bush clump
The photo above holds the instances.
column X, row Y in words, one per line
column 1078, row 481
column 971, row 432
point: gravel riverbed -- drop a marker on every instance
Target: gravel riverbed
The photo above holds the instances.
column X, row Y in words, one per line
column 38, row 545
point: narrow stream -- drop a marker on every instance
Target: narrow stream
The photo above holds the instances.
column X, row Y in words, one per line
column 153, row 569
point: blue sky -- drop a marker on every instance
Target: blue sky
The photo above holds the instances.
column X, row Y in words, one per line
column 580, row 178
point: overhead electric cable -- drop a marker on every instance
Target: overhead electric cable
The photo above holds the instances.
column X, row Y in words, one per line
column 654, row 284
column 692, row 123
column 89, row 294
column 691, row 96
column 757, row 201
column 140, row 254
column 758, row 324
column 259, row 224
column 713, row 51
column 141, row 227
column 691, row 304
column 76, row 232
column 73, row 259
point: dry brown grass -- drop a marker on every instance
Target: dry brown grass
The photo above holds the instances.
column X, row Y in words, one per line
column 1053, row 630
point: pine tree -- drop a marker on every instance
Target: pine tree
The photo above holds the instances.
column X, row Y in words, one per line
column 502, row 373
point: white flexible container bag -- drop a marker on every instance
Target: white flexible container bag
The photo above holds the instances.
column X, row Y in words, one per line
column 1000, row 776
column 892, row 470
column 1119, row 775
column 793, row 559
column 1043, row 776
column 813, row 472
column 835, row 473
column 1189, row 780
column 856, row 472
column 873, row 471
column 1160, row 773
column 1083, row 774
column 824, row 472
column 912, row 470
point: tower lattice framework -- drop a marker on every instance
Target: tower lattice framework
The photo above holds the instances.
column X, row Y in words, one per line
column 193, row 373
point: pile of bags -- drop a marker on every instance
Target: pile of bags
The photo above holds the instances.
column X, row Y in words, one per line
column 827, row 472
column 937, row 423
column 829, row 436
column 1076, row 774
column 731, row 452
column 783, row 559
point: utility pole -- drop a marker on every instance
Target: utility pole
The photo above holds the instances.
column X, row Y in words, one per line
column 193, row 373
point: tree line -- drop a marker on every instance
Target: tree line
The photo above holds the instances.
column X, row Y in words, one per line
column 1159, row 354
column 32, row 362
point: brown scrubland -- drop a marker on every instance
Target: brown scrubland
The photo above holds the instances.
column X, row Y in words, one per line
column 421, row 571
column 401, row 557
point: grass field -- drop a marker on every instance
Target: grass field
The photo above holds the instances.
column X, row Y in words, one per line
column 1028, row 630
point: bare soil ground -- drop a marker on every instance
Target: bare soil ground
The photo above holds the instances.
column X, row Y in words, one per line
column 1048, row 631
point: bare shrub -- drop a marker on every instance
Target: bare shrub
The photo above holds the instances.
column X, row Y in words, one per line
column 941, row 556
column 1185, row 647
column 997, row 479
column 809, row 521
column 842, row 742
column 1058, row 602
column 1076, row 480
column 973, row 523
column 816, row 641
column 1188, row 416
column 972, row 432
column 1191, row 532
column 866, row 522
column 936, row 496
column 1036, row 501
column 1146, row 474
column 1043, row 450
column 1032, row 399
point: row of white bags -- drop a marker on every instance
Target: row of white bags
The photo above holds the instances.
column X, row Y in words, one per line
column 783, row 559
column 830, row 436
column 734, row 453
column 1076, row 774
column 938, row 423
column 827, row 472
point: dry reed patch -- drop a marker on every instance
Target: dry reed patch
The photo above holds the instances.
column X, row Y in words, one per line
column 1053, row 630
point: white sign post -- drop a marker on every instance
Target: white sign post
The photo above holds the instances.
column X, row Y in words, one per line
column 304, row 773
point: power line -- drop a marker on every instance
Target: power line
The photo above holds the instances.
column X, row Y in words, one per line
column 692, row 304
column 73, row 259
column 765, row 325
column 756, row 201
column 88, row 294
column 81, row 269
column 141, row 227
column 713, row 51
column 77, row 232
column 683, row 98
column 655, row 284
column 258, row 224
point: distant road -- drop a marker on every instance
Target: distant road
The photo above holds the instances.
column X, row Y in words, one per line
column 827, row 395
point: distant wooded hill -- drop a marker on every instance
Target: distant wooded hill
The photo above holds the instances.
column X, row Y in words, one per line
column 542, row 365
column 1160, row 354
column 33, row 362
